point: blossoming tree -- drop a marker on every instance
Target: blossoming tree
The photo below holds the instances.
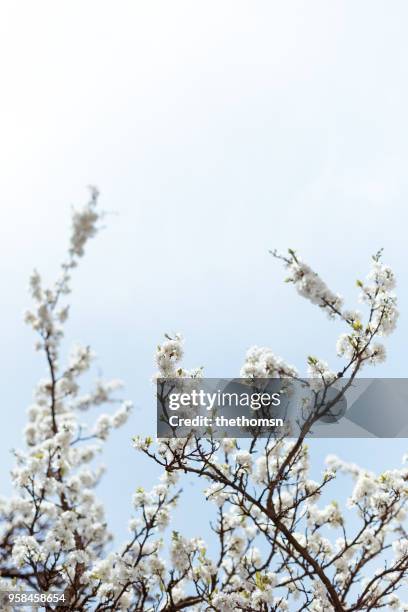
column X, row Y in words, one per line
column 278, row 548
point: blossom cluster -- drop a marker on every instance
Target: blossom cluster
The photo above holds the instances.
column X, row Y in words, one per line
column 276, row 552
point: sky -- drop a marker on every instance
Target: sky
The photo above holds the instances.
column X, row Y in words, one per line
column 214, row 131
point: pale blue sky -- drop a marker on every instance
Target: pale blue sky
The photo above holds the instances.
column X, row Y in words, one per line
column 215, row 131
